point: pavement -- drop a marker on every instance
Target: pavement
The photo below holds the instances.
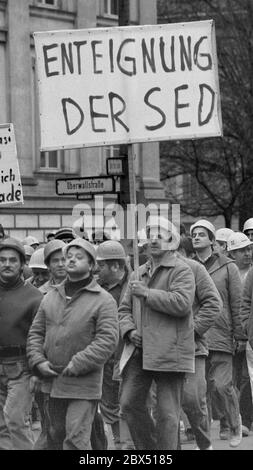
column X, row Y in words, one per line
column 218, row 444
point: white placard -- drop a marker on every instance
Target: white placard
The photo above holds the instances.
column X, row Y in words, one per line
column 10, row 182
column 107, row 86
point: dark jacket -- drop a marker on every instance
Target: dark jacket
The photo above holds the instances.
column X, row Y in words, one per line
column 18, row 306
column 207, row 305
column 246, row 311
column 227, row 328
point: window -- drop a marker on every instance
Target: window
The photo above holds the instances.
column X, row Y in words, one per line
column 52, row 3
column 111, row 7
column 64, row 161
column 50, row 161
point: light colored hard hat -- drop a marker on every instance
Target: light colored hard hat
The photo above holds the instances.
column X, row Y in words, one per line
column 84, row 244
column 248, row 225
column 159, row 221
column 31, row 241
column 29, row 250
column 223, row 234
column 37, row 259
column 203, row 223
column 51, row 247
column 238, row 240
column 110, row 249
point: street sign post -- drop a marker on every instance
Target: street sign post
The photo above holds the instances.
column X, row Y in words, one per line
column 91, row 185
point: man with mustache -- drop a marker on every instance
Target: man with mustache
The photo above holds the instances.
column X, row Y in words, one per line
column 19, row 303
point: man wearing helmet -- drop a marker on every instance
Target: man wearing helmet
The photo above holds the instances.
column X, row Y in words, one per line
column 226, row 329
column 113, row 276
column 221, row 237
column 240, row 249
column 40, row 272
column 54, row 260
column 19, row 303
column 73, row 334
column 248, row 228
column 163, row 347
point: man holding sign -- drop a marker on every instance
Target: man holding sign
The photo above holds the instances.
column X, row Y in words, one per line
column 164, row 346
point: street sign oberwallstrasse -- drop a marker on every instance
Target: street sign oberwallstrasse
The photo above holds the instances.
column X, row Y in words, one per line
column 91, row 185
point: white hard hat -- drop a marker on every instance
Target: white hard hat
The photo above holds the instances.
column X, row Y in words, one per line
column 37, row 259
column 29, row 250
column 223, row 234
column 238, row 240
column 161, row 222
column 203, row 223
column 248, row 225
column 31, row 241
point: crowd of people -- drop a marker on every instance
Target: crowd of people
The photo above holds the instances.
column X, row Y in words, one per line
column 86, row 344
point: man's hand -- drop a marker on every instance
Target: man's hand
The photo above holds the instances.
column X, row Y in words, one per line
column 45, row 369
column 69, row 371
column 135, row 338
column 139, row 289
column 34, row 384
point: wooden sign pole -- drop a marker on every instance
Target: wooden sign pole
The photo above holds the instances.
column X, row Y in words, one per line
column 132, row 191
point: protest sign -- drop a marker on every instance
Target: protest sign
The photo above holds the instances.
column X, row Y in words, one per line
column 107, row 86
column 10, row 183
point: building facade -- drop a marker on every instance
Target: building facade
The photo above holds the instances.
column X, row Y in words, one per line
column 43, row 210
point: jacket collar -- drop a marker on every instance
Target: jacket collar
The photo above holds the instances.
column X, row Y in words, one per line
column 91, row 287
column 169, row 260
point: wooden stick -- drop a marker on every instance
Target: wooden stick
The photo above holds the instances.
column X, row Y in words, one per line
column 132, row 191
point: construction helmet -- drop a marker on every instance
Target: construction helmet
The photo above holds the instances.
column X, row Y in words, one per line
column 110, row 249
column 51, row 247
column 248, row 225
column 237, row 241
column 162, row 222
column 37, row 259
column 203, row 223
column 31, row 241
column 223, row 234
column 84, row 244
column 29, row 250
column 14, row 244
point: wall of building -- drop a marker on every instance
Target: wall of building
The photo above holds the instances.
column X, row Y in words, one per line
column 43, row 210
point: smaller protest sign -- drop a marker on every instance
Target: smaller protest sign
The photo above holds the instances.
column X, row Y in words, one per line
column 10, row 182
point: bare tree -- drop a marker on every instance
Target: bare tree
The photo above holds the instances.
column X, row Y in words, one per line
column 222, row 168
